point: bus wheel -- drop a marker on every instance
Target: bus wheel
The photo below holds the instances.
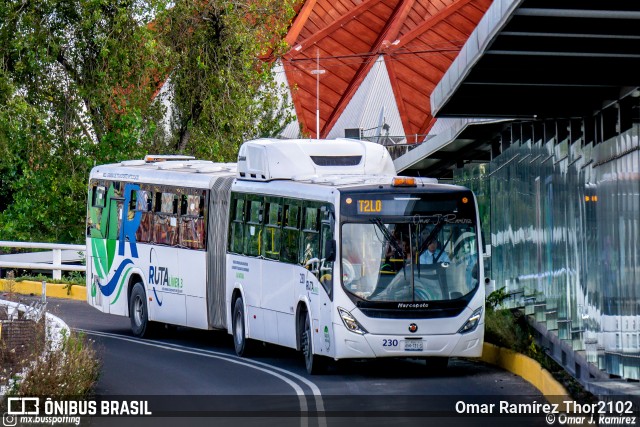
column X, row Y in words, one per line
column 240, row 341
column 315, row 364
column 138, row 311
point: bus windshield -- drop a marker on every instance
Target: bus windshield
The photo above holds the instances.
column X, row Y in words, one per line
column 415, row 258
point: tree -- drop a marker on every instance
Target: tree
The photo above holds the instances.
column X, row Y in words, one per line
column 78, row 86
column 223, row 91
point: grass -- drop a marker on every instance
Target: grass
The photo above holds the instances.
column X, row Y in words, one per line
column 72, row 278
column 509, row 328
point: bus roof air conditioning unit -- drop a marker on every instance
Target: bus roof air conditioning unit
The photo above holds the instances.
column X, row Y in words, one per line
column 269, row 159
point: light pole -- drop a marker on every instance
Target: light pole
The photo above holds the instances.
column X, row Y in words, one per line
column 317, row 73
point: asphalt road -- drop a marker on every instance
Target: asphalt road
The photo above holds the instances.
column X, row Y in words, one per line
column 189, row 372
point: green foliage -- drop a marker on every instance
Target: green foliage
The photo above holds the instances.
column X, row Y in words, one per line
column 507, row 328
column 74, row 78
column 78, row 86
column 223, row 93
column 71, row 278
column 496, row 298
column 510, row 329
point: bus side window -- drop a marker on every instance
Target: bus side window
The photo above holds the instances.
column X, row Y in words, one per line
column 115, row 210
column 191, row 222
column 253, row 227
column 183, row 204
column 165, row 224
column 158, row 202
column 310, row 247
column 291, row 234
column 117, row 188
column 272, row 231
column 143, row 203
column 132, row 202
column 97, row 197
column 237, row 225
column 115, row 219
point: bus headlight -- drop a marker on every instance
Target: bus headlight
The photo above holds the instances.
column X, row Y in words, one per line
column 472, row 323
column 350, row 322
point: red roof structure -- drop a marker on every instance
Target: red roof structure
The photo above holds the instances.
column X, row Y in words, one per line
column 418, row 40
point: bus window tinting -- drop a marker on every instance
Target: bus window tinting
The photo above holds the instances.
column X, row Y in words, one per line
column 237, row 226
column 310, row 235
column 272, row 232
column 253, row 228
column 291, row 234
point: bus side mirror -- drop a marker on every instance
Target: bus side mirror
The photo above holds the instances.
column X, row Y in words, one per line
column 330, row 250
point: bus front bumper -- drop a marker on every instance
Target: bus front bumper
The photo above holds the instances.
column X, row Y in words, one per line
column 355, row 346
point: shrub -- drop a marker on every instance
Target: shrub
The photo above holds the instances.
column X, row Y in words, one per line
column 70, row 370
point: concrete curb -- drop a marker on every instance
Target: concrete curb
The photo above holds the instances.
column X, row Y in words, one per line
column 526, row 368
column 54, row 290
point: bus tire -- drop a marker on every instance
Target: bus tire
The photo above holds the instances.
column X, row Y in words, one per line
column 240, row 341
column 138, row 311
column 315, row 364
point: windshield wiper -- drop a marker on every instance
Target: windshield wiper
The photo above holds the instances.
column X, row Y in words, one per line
column 389, row 237
column 431, row 237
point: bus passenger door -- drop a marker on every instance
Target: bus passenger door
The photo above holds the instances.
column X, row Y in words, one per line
column 324, row 341
column 113, row 231
column 104, row 234
column 319, row 286
column 97, row 225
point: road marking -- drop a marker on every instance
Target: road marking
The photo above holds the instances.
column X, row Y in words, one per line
column 261, row 366
column 314, row 388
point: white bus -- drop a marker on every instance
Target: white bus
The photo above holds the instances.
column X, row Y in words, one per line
column 313, row 245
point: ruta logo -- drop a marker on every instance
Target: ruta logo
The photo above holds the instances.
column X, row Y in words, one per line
column 160, row 276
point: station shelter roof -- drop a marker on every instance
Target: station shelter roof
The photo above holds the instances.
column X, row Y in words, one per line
column 417, row 39
column 544, row 59
column 531, row 60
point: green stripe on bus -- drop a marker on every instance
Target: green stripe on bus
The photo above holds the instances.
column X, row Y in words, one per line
column 111, row 253
column 99, row 256
column 124, row 276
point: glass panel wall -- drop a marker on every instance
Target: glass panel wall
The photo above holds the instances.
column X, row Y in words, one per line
column 561, row 211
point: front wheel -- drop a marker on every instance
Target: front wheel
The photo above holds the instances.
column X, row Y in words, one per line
column 239, row 336
column 138, row 311
column 315, row 364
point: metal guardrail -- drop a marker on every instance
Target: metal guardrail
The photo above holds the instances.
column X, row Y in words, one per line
column 56, row 266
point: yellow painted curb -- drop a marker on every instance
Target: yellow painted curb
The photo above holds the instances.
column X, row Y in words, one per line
column 526, row 368
column 54, row 290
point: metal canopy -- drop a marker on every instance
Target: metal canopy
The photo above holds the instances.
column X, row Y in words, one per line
column 467, row 141
column 544, row 59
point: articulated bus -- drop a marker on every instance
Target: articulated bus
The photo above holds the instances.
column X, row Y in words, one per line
column 312, row 245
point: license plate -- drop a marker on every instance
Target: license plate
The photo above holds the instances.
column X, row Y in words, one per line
column 413, row 345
